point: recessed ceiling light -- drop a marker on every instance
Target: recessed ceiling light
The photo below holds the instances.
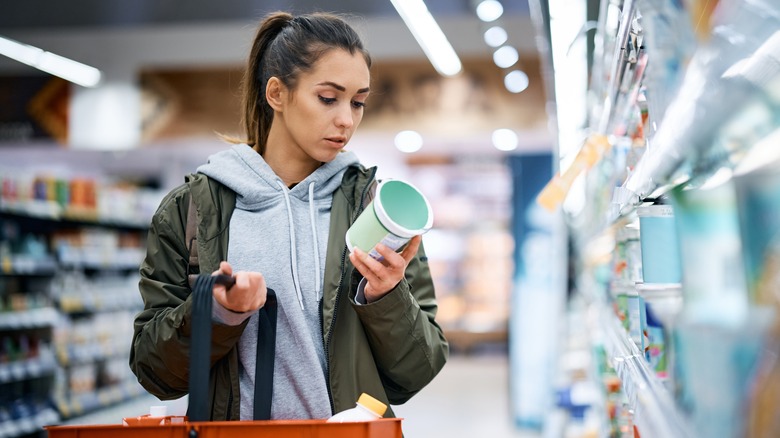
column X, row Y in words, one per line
column 489, row 10
column 505, row 139
column 495, row 36
column 516, row 81
column 408, row 141
column 505, row 56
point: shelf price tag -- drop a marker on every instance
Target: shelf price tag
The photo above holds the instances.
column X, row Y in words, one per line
column 556, row 190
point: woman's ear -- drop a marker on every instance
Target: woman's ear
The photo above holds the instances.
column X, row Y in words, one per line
column 274, row 93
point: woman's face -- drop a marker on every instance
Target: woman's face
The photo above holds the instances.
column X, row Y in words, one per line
column 326, row 107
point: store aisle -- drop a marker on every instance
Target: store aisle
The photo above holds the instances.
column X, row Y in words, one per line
column 469, row 398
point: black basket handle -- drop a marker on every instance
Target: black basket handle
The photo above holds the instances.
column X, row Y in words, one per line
column 200, row 349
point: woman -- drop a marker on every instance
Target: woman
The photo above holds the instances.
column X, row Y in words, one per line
column 273, row 211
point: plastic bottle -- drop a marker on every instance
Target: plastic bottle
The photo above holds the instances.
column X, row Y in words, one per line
column 367, row 408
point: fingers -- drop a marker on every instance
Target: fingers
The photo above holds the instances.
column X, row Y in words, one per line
column 365, row 264
column 385, row 275
column 247, row 294
column 225, row 268
column 411, row 248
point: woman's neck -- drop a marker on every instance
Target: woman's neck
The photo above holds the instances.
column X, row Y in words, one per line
column 289, row 168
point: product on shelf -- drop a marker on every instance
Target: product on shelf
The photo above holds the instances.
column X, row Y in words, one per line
column 78, row 198
column 758, row 200
column 68, row 295
column 659, row 244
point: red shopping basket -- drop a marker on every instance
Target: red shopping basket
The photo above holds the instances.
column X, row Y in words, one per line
column 119, row 431
column 380, row 428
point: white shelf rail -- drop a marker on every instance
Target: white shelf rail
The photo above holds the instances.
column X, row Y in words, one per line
column 654, row 408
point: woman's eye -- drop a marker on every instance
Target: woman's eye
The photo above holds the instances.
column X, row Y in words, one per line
column 358, row 105
column 327, row 100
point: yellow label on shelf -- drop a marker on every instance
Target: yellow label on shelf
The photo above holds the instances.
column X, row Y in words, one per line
column 701, row 14
column 556, row 190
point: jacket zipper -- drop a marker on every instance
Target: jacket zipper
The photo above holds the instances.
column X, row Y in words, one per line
column 338, row 291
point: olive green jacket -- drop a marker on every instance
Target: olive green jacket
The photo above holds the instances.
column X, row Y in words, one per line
column 390, row 348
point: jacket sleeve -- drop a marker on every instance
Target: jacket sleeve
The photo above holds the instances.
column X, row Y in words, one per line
column 407, row 342
column 159, row 354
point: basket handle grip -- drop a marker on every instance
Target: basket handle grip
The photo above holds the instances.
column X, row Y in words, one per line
column 200, row 350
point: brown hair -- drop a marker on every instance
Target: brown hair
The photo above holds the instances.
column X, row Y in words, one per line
column 284, row 47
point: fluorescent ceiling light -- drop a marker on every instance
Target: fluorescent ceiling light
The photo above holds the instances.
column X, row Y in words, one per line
column 429, row 36
column 489, row 10
column 57, row 65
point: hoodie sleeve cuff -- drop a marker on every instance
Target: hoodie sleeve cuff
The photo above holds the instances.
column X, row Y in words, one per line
column 360, row 296
column 224, row 316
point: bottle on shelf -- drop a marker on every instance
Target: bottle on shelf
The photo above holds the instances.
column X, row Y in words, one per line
column 367, row 408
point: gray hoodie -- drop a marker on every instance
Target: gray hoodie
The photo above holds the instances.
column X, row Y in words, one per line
column 283, row 234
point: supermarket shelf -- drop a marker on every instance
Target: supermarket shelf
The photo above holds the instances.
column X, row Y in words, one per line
column 28, row 319
column 18, row 265
column 52, row 211
column 97, row 258
column 619, row 60
column 70, row 354
column 91, row 402
column 27, row 369
column 73, row 303
column 28, row 425
column 654, row 407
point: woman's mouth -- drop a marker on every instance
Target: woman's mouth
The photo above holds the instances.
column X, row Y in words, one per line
column 339, row 141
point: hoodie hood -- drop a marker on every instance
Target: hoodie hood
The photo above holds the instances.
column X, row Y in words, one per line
column 244, row 171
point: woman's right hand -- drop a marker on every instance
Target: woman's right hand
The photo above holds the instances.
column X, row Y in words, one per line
column 246, row 295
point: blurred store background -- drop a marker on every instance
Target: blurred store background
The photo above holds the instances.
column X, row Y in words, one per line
column 568, row 137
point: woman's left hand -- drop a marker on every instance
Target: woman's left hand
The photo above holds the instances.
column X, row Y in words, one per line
column 383, row 276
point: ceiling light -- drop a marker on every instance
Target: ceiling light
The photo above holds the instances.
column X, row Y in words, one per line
column 505, row 56
column 429, row 36
column 505, row 139
column 57, row 65
column 489, row 10
column 408, row 141
column 516, row 81
column 495, row 36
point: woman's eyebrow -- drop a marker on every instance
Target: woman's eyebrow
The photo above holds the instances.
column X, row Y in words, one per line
column 341, row 87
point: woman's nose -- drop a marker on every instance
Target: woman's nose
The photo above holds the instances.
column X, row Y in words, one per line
column 344, row 117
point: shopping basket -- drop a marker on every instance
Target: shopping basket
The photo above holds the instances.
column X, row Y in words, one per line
column 380, row 428
column 119, row 431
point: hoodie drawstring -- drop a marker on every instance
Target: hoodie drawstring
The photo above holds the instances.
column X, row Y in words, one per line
column 315, row 240
column 293, row 252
